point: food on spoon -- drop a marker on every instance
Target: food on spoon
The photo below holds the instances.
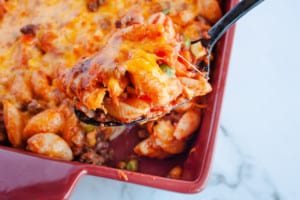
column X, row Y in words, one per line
column 141, row 72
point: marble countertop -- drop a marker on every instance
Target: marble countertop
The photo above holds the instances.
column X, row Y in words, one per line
column 257, row 150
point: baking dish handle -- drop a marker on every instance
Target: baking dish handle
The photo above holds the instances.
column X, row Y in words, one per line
column 23, row 176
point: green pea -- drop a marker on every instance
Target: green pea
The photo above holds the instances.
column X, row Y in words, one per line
column 187, row 43
column 165, row 11
column 132, row 165
column 167, row 69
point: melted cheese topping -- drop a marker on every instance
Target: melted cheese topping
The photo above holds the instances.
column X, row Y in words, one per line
column 38, row 38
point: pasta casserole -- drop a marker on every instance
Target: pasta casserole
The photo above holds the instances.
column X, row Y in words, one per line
column 113, row 60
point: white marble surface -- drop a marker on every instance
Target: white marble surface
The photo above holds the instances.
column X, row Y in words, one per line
column 257, row 151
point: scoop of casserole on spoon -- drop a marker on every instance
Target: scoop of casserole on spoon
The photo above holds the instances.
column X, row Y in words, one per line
column 143, row 72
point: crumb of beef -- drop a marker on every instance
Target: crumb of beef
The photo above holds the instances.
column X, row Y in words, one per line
column 173, row 116
column 118, row 24
column 98, row 154
column 93, row 5
column 35, row 107
column 29, row 29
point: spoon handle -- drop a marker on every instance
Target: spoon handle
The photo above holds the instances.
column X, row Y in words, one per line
column 229, row 19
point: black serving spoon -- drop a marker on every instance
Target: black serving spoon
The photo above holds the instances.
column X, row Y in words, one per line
column 215, row 33
column 219, row 28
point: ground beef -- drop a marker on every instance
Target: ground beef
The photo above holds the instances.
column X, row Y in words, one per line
column 29, row 29
column 93, row 5
column 98, row 154
column 173, row 116
column 35, row 107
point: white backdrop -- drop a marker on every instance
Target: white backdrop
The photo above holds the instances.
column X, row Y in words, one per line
column 262, row 101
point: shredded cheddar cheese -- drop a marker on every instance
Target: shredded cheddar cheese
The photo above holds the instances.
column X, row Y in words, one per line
column 50, row 54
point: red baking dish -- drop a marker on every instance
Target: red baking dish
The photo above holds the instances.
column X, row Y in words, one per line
column 25, row 175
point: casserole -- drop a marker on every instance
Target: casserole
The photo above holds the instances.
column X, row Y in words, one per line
column 26, row 175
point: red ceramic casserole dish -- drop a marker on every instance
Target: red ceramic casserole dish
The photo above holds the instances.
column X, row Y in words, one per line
column 27, row 176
